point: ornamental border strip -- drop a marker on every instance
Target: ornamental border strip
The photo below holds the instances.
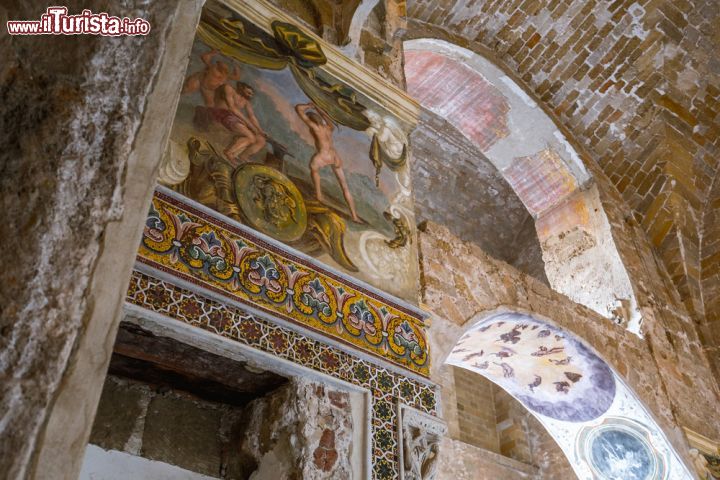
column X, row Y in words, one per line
column 388, row 388
column 195, row 245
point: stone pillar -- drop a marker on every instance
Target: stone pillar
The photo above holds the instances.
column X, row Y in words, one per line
column 85, row 120
column 304, row 430
column 420, row 436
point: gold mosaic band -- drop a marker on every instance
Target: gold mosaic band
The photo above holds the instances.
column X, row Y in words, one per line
column 201, row 248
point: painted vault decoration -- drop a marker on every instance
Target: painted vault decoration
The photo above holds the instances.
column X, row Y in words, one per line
column 275, row 142
column 548, row 371
column 204, row 250
column 604, row 430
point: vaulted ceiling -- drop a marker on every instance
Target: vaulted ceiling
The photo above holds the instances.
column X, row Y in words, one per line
column 635, row 82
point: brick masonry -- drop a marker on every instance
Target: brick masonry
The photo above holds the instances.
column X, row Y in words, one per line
column 636, row 83
column 477, row 419
column 665, row 369
column 455, row 185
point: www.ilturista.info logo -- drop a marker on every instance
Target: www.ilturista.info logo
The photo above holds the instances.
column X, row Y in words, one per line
column 56, row 21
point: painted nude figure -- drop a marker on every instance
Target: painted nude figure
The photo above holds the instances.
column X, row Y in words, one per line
column 210, row 79
column 233, row 110
column 322, row 128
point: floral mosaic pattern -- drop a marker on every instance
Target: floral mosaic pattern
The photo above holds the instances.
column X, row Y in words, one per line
column 203, row 249
column 387, row 387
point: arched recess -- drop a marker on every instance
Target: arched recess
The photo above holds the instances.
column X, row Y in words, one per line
column 455, row 185
column 598, row 422
column 538, row 162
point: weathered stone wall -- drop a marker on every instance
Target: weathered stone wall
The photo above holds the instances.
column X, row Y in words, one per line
column 75, row 109
column 301, row 430
column 462, row 461
column 461, row 283
column 524, row 438
column 500, row 431
column 633, row 81
column 172, row 427
column 380, row 45
column 551, row 462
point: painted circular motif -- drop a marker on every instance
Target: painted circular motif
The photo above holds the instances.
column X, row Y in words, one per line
column 620, row 449
column 270, row 201
column 619, row 455
column 549, row 371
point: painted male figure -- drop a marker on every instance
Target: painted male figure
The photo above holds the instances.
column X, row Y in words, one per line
column 322, row 128
column 233, row 110
column 210, row 79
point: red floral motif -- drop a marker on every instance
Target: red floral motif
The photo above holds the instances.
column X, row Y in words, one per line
column 250, row 330
column 329, row 360
column 303, row 351
column 190, row 309
column 278, row 341
column 158, row 296
column 218, row 320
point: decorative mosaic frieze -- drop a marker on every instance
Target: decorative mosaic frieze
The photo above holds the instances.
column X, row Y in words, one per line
column 389, row 389
column 205, row 250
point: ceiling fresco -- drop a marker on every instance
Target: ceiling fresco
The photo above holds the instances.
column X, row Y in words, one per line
column 497, row 116
column 480, row 108
column 548, row 371
column 621, row 449
column 604, row 430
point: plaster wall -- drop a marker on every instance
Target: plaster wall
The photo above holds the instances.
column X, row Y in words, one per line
column 462, row 461
column 582, row 261
column 114, row 465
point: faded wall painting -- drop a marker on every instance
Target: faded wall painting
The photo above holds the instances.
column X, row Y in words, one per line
column 621, row 449
column 277, row 144
column 550, row 372
column 604, row 430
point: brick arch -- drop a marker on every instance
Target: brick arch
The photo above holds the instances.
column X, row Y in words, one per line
column 514, row 349
column 461, row 284
column 536, row 159
column 633, row 84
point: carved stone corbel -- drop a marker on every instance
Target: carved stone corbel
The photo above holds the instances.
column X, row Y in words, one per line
column 420, row 436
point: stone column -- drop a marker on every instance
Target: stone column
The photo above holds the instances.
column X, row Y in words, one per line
column 84, row 121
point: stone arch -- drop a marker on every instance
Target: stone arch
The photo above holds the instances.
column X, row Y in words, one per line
column 461, row 284
column 535, row 157
column 574, row 393
column 610, row 74
column 710, row 276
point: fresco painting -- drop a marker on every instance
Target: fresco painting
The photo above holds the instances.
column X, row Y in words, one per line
column 277, row 144
column 619, row 455
column 550, row 372
column 621, row 449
